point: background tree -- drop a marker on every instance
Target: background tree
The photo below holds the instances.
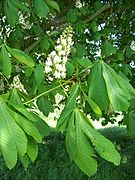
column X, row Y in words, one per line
column 83, row 50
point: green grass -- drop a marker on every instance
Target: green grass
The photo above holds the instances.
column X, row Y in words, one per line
column 53, row 162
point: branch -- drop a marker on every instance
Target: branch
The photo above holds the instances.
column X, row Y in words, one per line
column 98, row 13
column 61, row 85
column 32, row 46
column 57, row 22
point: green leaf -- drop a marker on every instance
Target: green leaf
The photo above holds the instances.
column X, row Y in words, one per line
column 129, row 120
column 12, row 138
column 129, row 52
column 80, row 50
column 6, row 62
column 72, row 15
column 102, row 145
column 93, row 105
column 45, row 43
column 53, row 4
column 79, row 148
column 27, row 126
column 97, row 36
column 120, row 56
column 85, row 62
column 71, row 100
column 42, row 126
column 68, row 109
column 117, row 96
column 123, row 83
column 15, row 102
column 93, row 26
column 39, row 74
column 97, row 87
column 32, row 150
column 21, row 57
column 41, row 8
column 70, row 139
column 45, row 105
column 64, row 120
column 70, row 68
column 25, row 161
column 14, row 98
column 11, row 13
column 20, row 5
column 108, row 49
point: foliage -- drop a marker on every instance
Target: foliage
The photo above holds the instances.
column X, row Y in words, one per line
column 53, row 161
column 82, row 50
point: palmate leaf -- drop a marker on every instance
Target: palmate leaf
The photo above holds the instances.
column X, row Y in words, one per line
column 79, row 148
column 12, row 138
column 102, row 145
column 16, row 126
column 78, row 129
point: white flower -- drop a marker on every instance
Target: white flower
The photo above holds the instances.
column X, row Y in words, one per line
column 17, row 84
column 59, row 67
column 63, row 41
column 49, row 62
column 63, row 75
column 63, row 69
column 48, row 69
column 64, row 59
column 53, row 53
column 69, row 40
column 57, row 59
column 57, row 74
column 62, row 53
column 58, row 41
column 58, row 48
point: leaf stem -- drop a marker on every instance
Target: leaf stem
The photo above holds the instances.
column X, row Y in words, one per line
column 50, row 90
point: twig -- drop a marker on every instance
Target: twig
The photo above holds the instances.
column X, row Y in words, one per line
column 61, row 85
column 96, row 14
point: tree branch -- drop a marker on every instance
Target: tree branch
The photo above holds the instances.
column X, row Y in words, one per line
column 98, row 13
column 57, row 22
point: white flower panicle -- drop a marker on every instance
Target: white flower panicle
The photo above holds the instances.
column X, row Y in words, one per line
column 55, row 66
column 17, row 84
